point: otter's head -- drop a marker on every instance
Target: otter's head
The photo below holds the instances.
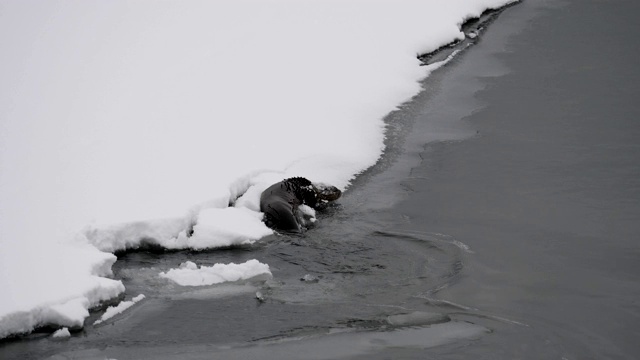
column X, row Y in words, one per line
column 326, row 192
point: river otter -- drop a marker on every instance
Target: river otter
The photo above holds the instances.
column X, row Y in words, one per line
column 280, row 202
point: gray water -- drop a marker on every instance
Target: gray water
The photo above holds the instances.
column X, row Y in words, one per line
column 502, row 223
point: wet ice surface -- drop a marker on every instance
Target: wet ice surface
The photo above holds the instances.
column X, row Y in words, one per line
column 349, row 344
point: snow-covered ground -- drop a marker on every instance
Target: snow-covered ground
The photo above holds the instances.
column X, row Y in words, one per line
column 129, row 120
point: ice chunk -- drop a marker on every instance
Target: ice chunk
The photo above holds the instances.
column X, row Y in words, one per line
column 308, row 278
column 61, row 333
column 118, row 309
column 189, row 274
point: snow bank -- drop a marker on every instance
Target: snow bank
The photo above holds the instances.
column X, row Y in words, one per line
column 118, row 309
column 188, row 274
column 222, row 227
column 138, row 123
column 52, row 284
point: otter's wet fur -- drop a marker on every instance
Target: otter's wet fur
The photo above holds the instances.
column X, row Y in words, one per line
column 280, row 202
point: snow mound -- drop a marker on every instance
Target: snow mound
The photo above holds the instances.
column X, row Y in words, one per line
column 61, row 333
column 211, row 224
column 223, row 227
column 189, row 274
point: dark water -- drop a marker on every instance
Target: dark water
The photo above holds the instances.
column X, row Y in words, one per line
column 548, row 194
column 502, row 223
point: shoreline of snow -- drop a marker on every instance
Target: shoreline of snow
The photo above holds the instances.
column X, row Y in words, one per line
column 68, row 272
column 60, row 294
column 243, row 193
